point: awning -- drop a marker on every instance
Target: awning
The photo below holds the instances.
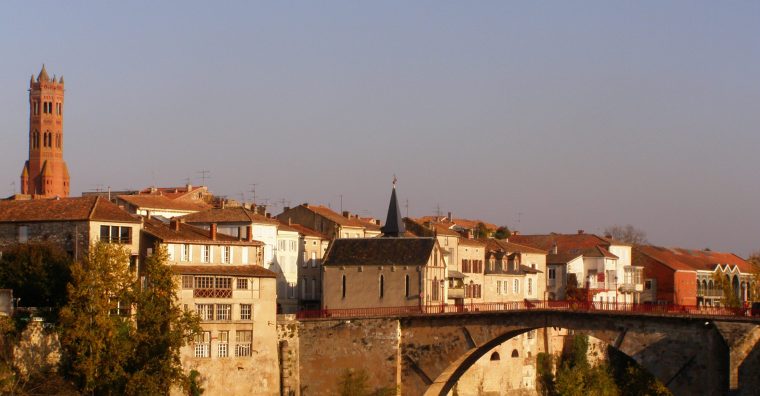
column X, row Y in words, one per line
column 456, row 274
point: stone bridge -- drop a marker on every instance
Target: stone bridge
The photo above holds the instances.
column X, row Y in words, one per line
column 427, row 354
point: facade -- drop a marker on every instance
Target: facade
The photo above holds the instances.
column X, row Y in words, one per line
column 448, row 240
column 285, row 266
column 472, row 256
column 601, row 267
column 45, row 173
column 689, row 277
column 221, row 278
column 466, row 227
column 327, row 222
column 313, row 247
column 72, row 223
column 514, row 272
column 235, row 222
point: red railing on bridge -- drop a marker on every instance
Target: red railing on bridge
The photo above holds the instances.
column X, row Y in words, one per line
column 575, row 306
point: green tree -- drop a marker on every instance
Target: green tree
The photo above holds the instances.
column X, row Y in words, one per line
column 162, row 329
column 754, row 260
column 38, row 274
column 96, row 340
column 481, row 231
column 730, row 298
column 545, row 374
column 502, row 233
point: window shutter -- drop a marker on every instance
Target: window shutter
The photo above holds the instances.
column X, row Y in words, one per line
column 245, row 255
column 211, row 254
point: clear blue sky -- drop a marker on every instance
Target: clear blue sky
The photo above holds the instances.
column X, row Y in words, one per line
column 577, row 115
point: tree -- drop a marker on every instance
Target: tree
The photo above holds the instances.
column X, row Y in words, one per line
column 481, row 231
column 730, row 298
column 502, row 233
column 754, row 260
column 627, row 234
column 162, row 329
column 38, row 274
column 95, row 339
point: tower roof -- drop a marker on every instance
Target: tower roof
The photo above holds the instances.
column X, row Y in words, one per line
column 394, row 224
column 43, row 76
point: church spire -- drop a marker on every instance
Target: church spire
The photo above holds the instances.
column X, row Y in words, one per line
column 394, row 224
column 43, row 77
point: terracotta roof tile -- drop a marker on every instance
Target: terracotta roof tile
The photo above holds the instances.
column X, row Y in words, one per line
column 191, row 234
column 566, row 243
column 232, row 270
column 507, row 246
column 64, row 209
column 152, row 201
column 471, row 242
column 307, row 231
column 693, row 260
column 338, row 218
column 228, row 215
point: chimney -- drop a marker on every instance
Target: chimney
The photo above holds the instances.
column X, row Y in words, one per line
column 580, row 232
column 189, row 187
column 290, row 221
column 377, row 221
column 213, row 231
column 268, row 215
column 346, row 214
column 515, row 233
column 174, row 224
column 449, row 217
column 554, row 248
column 248, row 233
column 285, row 209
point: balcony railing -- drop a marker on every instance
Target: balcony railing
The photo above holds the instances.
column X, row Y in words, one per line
column 710, row 293
column 212, row 293
column 456, row 293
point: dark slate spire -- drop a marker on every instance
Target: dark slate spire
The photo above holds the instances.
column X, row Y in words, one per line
column 394, row 224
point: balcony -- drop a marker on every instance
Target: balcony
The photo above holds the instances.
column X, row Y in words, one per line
column 212, row 293
column 717, row 293
column 631, row 287
column 456, row 293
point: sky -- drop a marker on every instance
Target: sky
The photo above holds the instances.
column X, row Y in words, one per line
column 542, row 116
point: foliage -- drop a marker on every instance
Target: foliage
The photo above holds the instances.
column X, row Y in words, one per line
column 573, row 292
column 162, row 329
column 481, row 231
column 106, row 349
column 96, row 345
column 627, row 234
column 502, row 233
column 37, row 272
column 730, row 298
column 754, row 260
column 632, row 378
column 355, row 383
column 193, row 387
column 545, row 374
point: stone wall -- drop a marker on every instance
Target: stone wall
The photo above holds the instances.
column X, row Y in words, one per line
column 288, row 344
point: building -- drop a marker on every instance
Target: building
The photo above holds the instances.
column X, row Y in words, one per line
column 285, row 265
column 327, row 222
column 159, row 205
column 468, row 228
column 234, row 221
column 221, row 278
column 45, row 173
column 688, row 277
column 73, row 223
column 448, row 240
column 387, row 271
column 600, row 267
column 313, row 247
column 472, row 256
column 514, row 272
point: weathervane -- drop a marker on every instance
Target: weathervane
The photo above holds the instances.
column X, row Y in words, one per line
column 394, row 180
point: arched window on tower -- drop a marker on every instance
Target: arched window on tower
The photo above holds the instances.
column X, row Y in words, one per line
column 495, row 356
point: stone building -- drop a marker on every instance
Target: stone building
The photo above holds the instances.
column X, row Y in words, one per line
column 159, row 205
column 472, row 255
column 45, row 173
column 448, row 240
column 221, row 278
column 285, row 265
column 312, row 249
column 72, row 223
column 327, row 222
column 514, row 272
column 387, row 271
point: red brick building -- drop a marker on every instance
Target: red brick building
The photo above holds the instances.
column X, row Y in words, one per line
column 45, row 173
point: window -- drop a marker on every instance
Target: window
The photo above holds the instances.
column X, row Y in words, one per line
column 212, row 287
column 187, row 281
column 226, row 254
column 505, row 287
column 406, row 286
column 516, row 287
column 245, row 255
column 382, row 286
column 498, row 287
column 205, row 311
column 313, row 259
column 343, row 287
column 223, row 346
column 293, row 245
column 223, row 311
column 115, row 234
column 206, row 253
column 23, row 234
column 313, row 288
column 202, row 344
column 184, row 254
column 291, row 290
column 281, row 245
column 242, row 283
column 530, row 286
column 515, row 353
column 224, row 283
column 243, row 340
column 552, row 275
column 305, row 261
column 245, row 311
column 303, row 288
column 495, row 356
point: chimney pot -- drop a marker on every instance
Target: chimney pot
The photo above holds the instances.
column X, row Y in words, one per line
column 514, row 233
column 580, row 231
column 174, row 223
column 346, row 214
column 248, row 233
column 290, row 221
column 449, row 217
column 285, row 209
column 213, row 232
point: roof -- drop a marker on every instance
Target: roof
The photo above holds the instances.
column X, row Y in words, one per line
column 693, row 260
column 281, row 226
column 64, row 209
column 529, row 270
column 173, row 192
column 423, row 227
column 471, row 242
column 566, row 243
column 456, row 274
column 153, row 201
column 394, row 223
column 228, row 215
column 305, row 231
column 562, row 258
column 337, row 218
column 379, row 251
column 464, row 223
column 233, row 270
column 500, row 244
column 192, row 234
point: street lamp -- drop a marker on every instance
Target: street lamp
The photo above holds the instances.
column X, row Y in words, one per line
column 443, row 297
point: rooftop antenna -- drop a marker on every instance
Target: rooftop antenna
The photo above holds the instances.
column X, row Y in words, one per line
column 204, row 175
column 253, row 191
column 187, row 180
column 406, row 205
column 437, row 210
column 341, row 203
column 519, row 216
column 282, row 202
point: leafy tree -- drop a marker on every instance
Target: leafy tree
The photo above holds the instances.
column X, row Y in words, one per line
column 545, row 374
column 754, row 260
column 481, row 231
column 627, row 234
column 162, row 329
column 502, row 233
column 730, row 299
column 96, row 341
column 573, row 292
column 37, row 272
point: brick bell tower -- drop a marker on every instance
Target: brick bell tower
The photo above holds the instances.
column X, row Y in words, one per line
column 45, row 173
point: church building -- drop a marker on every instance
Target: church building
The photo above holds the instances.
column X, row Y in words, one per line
column 45, row 174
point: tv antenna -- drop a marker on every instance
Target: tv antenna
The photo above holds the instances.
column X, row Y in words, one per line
column 204, row 175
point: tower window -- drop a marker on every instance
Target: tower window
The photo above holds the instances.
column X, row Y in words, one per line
column 36, row 107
